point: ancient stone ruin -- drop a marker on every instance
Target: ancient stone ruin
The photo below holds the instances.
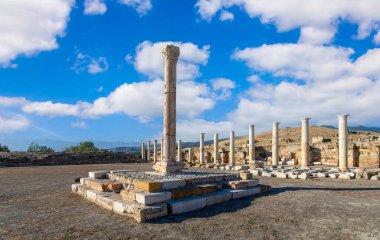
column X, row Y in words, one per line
column 169, row 189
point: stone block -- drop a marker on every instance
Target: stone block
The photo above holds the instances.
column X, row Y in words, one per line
column 375, row 178
column 98, row 174
column 265, row 188
column 218, row 197
column 172, row 183
column 240, row 193
column 322, row 174
column 237, row 184
column 253, row 182
column 304, row 176
column 187, row 204
column 281, row 175
column 245, row 176
column 206, row 188
column 267, row 174
column 292, row 175
column 241, row 167
column 183, row 192
column 130, row 194
column 140, row 212
column 91, row 194
column 333, row 175
column 151, row 212
column 345, row 176
column 255, row 172
column 106, row 200
column 85, row 181
column 152, row 198
column 79, row 189
column 147, row 186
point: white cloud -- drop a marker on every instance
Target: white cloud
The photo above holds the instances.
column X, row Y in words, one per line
column 98, row 65
column 80, row 124
column 30, row 26
column 149, row 60
column 222, row 87
column 189, row 130
column 253, row 79
column 330, row 83
column 94, row 7
column 143, row 100
column 51, row 109
column 226, row 16
column 9, row 125
column 84, row 62
column 141, row 6
column 318, row 19
column 12, row 101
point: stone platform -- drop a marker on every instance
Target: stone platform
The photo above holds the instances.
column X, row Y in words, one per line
column 148, row 195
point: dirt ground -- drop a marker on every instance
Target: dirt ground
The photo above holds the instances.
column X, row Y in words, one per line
column 36, row 203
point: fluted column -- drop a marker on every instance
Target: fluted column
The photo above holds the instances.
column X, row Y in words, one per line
column 232, row 148
column 343, row 142
column 155, row 151
column 305, row 145
column 168, row 163
column 251, row 143
column 202, row 148
column 179, row 158
column 275, row 152
column 216, row 148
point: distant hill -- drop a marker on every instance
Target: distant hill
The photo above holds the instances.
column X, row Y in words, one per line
column 58, row 145
column 360, row 128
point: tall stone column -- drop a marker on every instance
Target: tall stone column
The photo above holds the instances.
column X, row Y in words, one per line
column 275, row 152
column 251, row 144
column 343, row 142
column 162, row 151
column 148, row 152
column 232, row 148
column 190, row 155
column 142, row 152
column 155, row 151
column 179, row 151
column 216, row 148
column 169, row 163
column 202, row 148
column 305, row 145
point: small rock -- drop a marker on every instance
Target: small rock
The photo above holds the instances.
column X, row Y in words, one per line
column 375, row 178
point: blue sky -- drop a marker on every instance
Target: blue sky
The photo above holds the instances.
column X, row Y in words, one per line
column 92, row 70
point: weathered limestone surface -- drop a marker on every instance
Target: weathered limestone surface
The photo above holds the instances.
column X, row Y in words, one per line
column 168, row 163
column 232, row 148
column 201, row 148
column 251, row 144
column 275, row 152
column 343, row 142
column 305, row 146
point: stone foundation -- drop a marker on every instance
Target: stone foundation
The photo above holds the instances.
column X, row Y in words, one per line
column 148, row 195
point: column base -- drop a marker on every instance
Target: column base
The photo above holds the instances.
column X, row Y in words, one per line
column 168, row 167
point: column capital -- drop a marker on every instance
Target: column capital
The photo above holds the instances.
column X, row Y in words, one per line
column 276, row 123
column 343, row 115
column 251, row 125
column 170, row 52
column 305, row 119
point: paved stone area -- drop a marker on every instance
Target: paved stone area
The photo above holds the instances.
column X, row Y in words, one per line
column 37, row 203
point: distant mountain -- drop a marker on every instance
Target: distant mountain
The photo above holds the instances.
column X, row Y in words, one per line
column 58, row 145
column 360, row 128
